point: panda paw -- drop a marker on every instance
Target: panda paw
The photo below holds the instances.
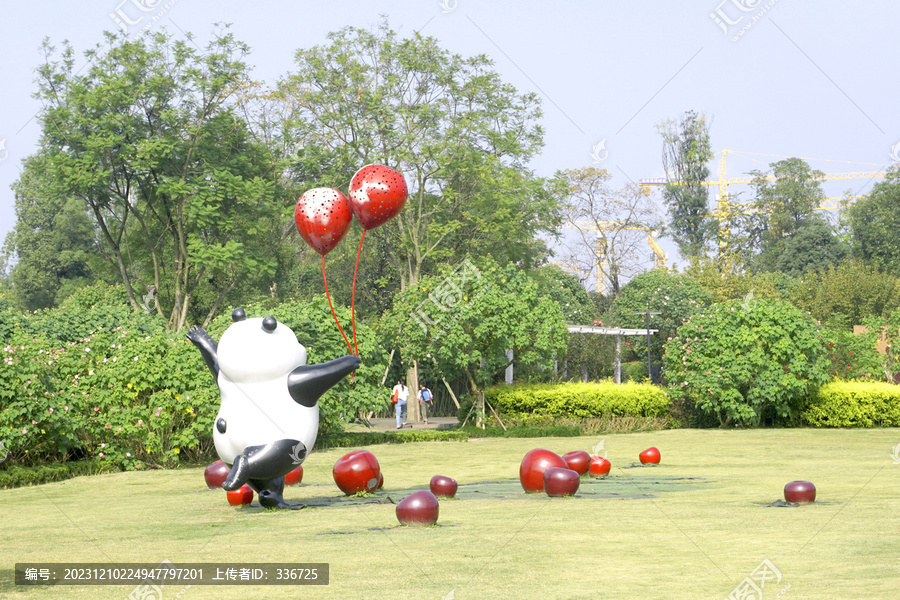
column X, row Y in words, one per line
column 197, row 335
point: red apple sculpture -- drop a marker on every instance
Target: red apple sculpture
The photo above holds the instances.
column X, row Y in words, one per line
column 215, row 474
column 241, row 496
column 294, row 477
column 380, row 481
column 357, row 472
column 533, row 467
column 802, row 492
column 578, row 460
column 649, row 456
column 418, row 509
column 443, row 487
column 600, row 466
column 559, row 482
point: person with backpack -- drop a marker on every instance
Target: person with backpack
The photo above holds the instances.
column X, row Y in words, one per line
column 426, row 399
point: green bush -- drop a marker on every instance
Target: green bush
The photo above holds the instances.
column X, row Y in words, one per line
column 20, row 476
column 580, row 400
column 854, row 404
column 745, row 362
column 370, row 438
column 635, row 371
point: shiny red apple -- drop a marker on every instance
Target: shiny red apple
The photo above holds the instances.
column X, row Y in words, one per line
column 419, row 508
column 357, row 472
column 295, row 476
column 241, row 496
column 443, row 487
column 216, row 474
column 560, row 482
column 650, row 455
column 578, row 460
column 802, row 492
column 600, row 466
column 535, row 463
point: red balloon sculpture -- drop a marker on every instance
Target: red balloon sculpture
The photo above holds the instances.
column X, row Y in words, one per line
column 241, row 496
column 535, row 463
column 443, row 487
column 599, row 466
column 294, row 477
column 323, row 217
column 802, row 492
column 216, row 474
column 560, row 482
column 649, row 456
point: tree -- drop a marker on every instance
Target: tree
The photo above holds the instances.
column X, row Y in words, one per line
column 468, row 319
column 612, row 224
column 851, row 289
column 459, row 134
column 185, row 203
column 874, row 223
column 53, row 240
column 686, row 152
column 786, row 232
column 745, row 365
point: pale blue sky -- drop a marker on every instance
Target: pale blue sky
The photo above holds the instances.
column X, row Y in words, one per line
column 808, row 79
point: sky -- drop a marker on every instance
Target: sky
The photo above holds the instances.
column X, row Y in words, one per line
column 777, row 78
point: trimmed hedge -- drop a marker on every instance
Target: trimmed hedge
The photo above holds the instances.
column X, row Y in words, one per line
column 580, row 400
column 854, row 404
column 17, row 476
column 367, row 438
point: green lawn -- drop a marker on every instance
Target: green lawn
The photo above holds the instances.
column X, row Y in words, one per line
column 704, row 527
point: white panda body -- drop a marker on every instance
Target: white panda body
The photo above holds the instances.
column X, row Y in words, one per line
column 256, row 405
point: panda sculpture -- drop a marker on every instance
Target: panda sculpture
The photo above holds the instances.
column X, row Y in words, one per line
column 269, row 413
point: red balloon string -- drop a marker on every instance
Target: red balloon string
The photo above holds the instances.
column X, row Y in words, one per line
column 353, row 295
column 328, row 295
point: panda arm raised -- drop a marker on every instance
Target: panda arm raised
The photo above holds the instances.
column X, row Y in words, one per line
column 306, row 384
column 208, row 348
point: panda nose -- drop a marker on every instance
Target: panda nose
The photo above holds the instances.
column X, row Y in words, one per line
column 269, row 324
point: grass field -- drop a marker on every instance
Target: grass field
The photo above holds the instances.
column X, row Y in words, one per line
column 694, row 527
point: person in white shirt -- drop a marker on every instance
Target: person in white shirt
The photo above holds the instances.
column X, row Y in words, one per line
column 402, row 393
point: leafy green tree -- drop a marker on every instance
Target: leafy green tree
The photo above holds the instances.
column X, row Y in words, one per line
column 53, row 241
column 686, row 154
column 786, row 234
column 451, row 125
column 468, row 319
column 186, row 205
column 852, row 289
column 874, row 223
column 736, row 284
column 745, row 365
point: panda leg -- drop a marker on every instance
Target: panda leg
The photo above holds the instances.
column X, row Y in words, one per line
column 266, row 462
column 269, row 492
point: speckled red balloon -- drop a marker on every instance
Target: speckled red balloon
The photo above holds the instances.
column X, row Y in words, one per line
column 377, row 195
column 323, row 216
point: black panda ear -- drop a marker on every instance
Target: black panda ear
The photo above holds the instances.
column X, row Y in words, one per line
column 238, row 314
column 269, row 324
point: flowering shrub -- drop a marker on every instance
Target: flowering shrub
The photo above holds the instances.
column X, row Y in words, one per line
column 741, row 364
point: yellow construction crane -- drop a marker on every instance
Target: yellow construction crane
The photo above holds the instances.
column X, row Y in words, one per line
column 724, row 208
column 600, row 250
